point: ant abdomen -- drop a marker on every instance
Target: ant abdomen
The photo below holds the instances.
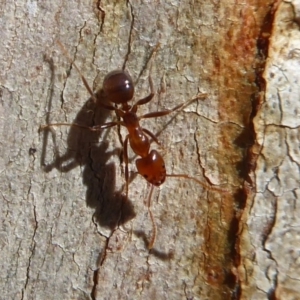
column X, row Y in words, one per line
column 118, row 87
column 152, row 168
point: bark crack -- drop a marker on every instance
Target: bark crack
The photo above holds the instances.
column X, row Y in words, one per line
column 33, row 246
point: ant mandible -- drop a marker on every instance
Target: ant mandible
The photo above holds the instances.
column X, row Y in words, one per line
column 118, row 88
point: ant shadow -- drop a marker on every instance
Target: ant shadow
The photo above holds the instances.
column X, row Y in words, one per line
column 85, row 150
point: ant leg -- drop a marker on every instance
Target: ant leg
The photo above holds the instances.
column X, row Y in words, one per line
column 153, row 237
column 146, row 99
column 168, row 111
column 205, row 185
column 152, row 92
column 93, row 128
column 65, row 52
column 105, row 125
column 154, row 138
column 126, row 164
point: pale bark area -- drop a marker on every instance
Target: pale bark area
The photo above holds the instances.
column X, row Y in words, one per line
column 63, row 235
column 270, row 238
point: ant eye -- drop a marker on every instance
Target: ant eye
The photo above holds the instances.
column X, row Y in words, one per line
column 118, row 87
column 145, row 176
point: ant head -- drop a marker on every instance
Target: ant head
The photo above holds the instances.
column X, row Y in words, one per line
column 118, row 87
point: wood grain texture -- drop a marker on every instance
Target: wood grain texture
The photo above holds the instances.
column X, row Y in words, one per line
column 66, row 232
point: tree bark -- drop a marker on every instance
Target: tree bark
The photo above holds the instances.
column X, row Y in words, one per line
column 269, row 226
column 67, row 230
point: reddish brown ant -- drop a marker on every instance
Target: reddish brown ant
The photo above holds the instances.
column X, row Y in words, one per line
column 118, row 88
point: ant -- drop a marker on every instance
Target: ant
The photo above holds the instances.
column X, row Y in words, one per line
column 118, row 89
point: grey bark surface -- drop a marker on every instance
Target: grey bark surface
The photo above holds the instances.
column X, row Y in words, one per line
column 66, row 232
column 55, row 235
